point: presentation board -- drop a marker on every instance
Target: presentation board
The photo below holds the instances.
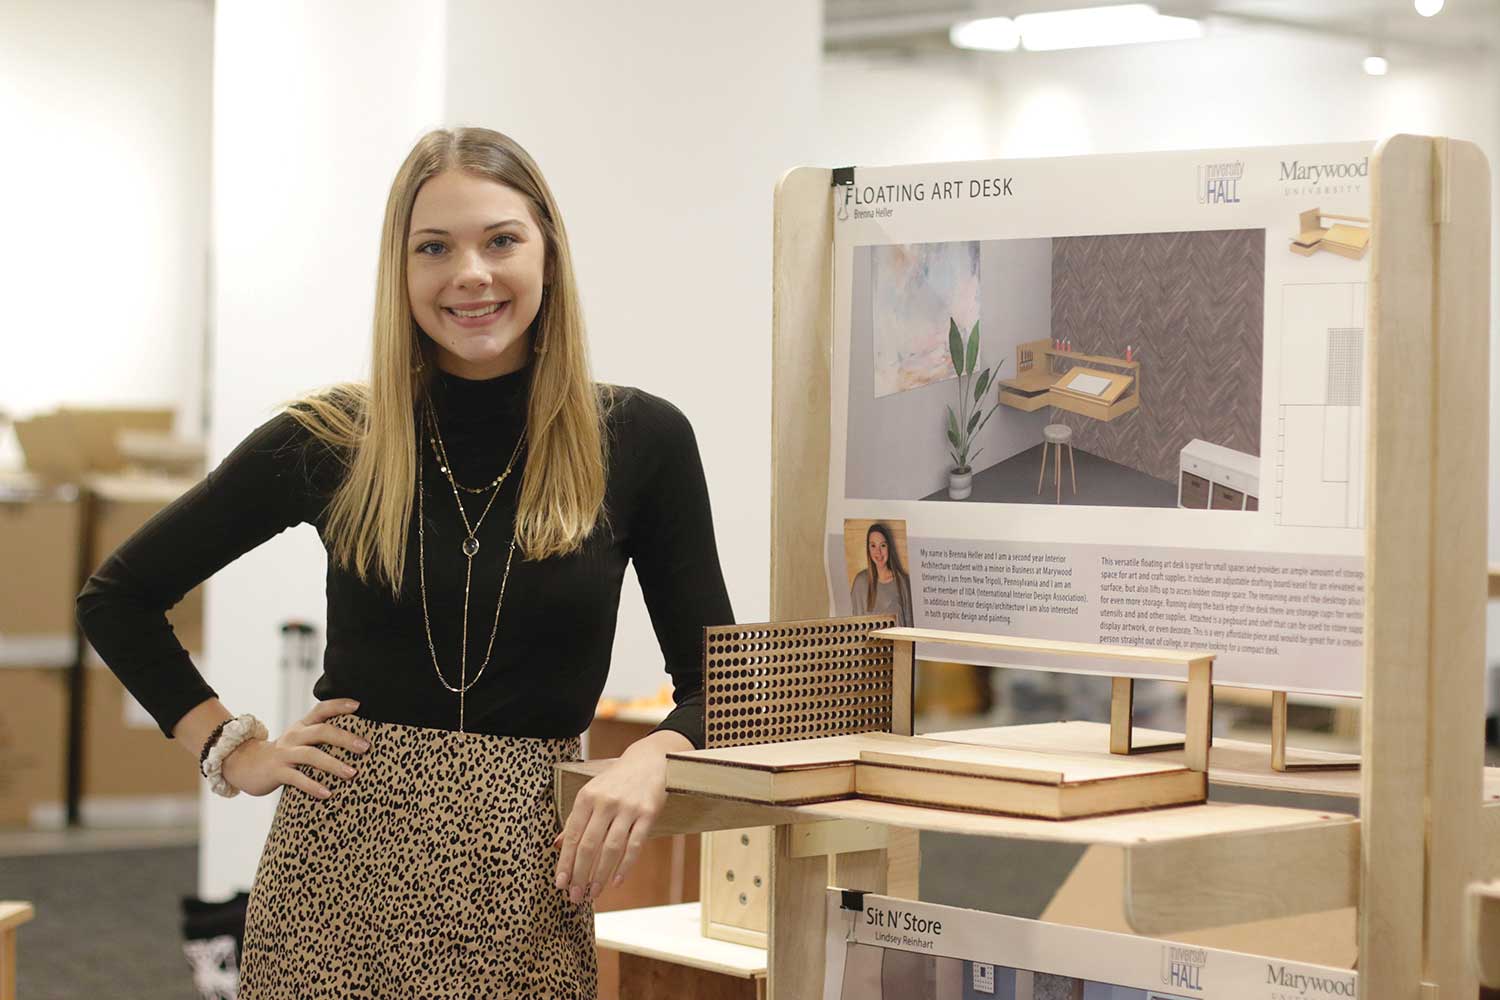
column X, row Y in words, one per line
column 882, row 947
column 1108, row 399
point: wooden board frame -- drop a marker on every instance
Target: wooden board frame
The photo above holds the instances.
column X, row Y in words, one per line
column 1428, row 325
column 1425, row 590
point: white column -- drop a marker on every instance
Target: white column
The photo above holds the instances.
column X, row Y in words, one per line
column 663, row 128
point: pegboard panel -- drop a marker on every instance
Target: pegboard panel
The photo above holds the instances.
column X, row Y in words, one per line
column 777, row 681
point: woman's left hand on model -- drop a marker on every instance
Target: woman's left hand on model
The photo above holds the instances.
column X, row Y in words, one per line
column 612, row 817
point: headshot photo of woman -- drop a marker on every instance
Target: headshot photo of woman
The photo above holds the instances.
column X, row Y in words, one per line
column 883, row 586
column 479, row 499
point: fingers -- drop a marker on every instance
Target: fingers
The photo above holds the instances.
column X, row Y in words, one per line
column 567, row 842
column 323, row 761
column 297, row 779
column 638, row 833
column 610, row 853
column 589, row 846
column 328, row 734
column 325, row 710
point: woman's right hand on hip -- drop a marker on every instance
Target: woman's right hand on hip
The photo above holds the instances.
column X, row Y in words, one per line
column 259, row 767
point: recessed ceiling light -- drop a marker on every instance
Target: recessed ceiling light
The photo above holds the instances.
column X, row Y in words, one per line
column 1376, row 65
column 1427, row 8
column 1122, row 24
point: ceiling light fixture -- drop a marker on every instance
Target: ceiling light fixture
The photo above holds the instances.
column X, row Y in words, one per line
column 1095, row 26
column 1429, row 8
column 1376, row 65
column 988, row 34
column 1121, row 24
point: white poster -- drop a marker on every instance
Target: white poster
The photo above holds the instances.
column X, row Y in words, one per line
column 1109, row 399
column 880, row 948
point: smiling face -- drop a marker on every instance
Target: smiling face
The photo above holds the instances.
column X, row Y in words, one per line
column 475, row 267
column 880, row 551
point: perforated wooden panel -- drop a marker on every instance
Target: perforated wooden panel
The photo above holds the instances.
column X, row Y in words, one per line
column 778, row 681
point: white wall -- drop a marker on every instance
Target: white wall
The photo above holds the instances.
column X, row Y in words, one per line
column 663, row 128
column 315, row 107
column 105, row 109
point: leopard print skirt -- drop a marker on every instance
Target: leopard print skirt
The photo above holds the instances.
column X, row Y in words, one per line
column 428, row 875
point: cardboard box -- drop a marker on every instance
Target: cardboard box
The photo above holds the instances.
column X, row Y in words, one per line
column 74, row 441
column 40, row 535
column 33, row 745
column 130, row 771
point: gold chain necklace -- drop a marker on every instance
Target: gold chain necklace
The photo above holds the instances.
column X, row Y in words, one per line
column 470, row 548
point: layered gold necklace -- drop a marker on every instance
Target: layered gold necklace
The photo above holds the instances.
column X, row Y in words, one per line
column 470, row 548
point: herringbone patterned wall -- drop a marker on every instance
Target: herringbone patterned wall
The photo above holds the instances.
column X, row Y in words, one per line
column 1192, row 305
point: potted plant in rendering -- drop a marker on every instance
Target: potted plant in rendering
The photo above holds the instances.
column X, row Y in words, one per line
column 970, row 418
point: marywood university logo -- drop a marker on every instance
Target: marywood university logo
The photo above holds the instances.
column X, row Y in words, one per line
column 1182, row 967
column 1303, row 984
column 1335, row 177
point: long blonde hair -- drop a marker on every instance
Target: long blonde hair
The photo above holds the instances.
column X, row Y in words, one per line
column 562, row 486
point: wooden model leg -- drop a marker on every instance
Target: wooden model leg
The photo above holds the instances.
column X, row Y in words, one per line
column 799, row 919
column 902, row 668
column 1279, row 760
column 1057, row 470
column 1200, row 714
column 1072, row 469
column 1041, row 476
column 1122, row 723
column 12, row 916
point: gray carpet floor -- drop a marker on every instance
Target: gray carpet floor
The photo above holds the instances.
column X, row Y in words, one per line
column 108, row 923
column 1101, row 483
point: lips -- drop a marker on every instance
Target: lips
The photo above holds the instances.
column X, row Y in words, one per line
column 480, row 315
column 474, row 310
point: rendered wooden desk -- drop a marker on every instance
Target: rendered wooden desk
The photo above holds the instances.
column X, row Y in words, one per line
column 1037, row 385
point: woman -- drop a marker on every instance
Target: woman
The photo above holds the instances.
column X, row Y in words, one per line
column 882, row 587
column 479, row 501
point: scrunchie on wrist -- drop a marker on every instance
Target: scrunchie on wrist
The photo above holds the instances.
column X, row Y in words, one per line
column 236, row 731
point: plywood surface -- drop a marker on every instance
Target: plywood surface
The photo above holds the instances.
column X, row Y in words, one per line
column 671, row 934
column 801, row 754
column 1176, row 657
column 1018, row 765
column 686, row 813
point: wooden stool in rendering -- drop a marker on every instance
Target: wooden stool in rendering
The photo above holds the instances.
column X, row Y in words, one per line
column 1057, row 435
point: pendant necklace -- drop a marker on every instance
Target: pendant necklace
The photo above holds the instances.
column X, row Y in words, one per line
column 470, row 548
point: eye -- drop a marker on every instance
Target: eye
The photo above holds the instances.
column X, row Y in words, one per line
column 422, row 249
column 503, row 240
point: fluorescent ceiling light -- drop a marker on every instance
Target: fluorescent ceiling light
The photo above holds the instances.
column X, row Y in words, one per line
column 990, row 34
column 1089, row 27
column 1428, row 8
column 1376, row 65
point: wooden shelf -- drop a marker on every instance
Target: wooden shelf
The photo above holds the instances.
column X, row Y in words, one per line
column 1093, row 359
column 1175, row 657
column 1235, row 854
column 674, row 934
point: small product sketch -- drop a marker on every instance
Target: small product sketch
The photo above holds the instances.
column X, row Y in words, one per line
column 1320, row 429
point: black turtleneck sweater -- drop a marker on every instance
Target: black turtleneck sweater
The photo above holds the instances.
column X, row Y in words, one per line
column 552, row 649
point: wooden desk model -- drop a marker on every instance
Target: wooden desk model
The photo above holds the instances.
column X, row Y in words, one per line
column 1085, row 389
column 1341, row 238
